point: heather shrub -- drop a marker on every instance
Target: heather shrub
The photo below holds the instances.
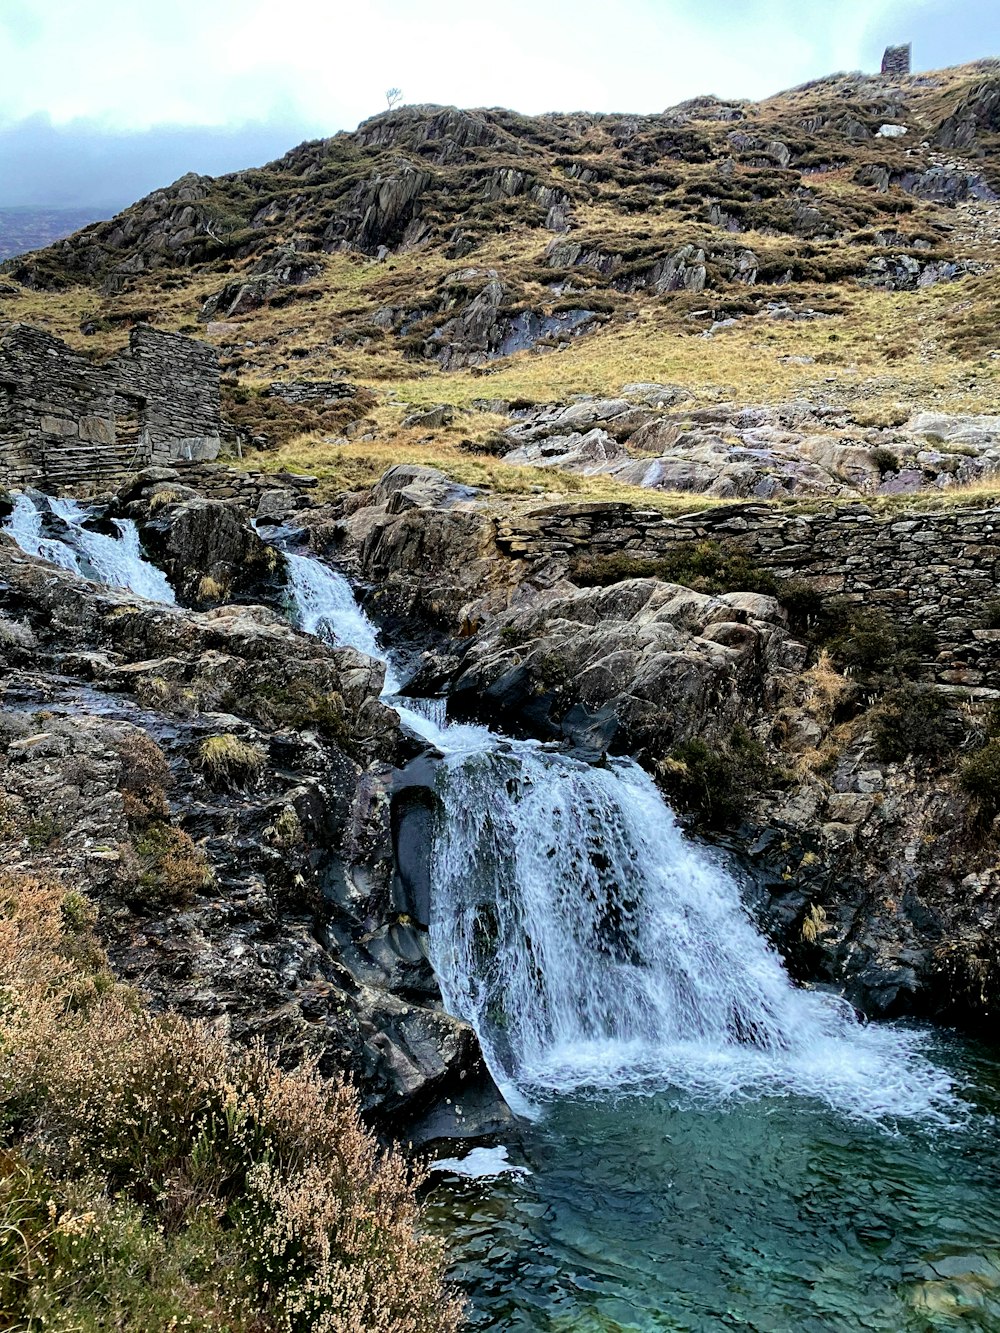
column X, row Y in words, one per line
column 876, row 649
column 705, row 566
column 170, row 867
column 910, row 721
column 979, row 777
column 154, row 1176
column 716, row 780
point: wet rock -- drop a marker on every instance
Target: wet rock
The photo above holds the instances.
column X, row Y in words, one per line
column 293, row 935
column 207, row 549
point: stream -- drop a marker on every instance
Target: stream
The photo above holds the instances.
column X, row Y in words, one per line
column 700, row 1144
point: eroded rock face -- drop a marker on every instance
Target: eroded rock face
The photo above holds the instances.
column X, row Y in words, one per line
column 208, row 550
column 429, row 546
column 259, row 896
column 637, row 667
column 772, row 452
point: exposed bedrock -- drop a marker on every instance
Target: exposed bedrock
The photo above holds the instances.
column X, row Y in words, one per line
column 209, row 550
column 221, row 786
column 636, row 667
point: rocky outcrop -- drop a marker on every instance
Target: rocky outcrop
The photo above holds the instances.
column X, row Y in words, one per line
column 491, row 325
column 280, row 268
column 416, row 522
column 638, row 667
column 905, row 273
column 219, row 784
column 774, row 452
column 977, row 115
column 381, row 214
column 208, row 549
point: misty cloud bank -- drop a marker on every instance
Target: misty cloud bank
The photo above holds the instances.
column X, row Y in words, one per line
column 85, row 165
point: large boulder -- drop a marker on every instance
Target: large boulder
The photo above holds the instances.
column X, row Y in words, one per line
column 208, row 549
column 639, row 666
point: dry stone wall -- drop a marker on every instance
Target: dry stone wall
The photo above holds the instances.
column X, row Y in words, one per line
column 270, row 494
column 896, row 60
column 939, row 569
column 67, row 421
column 176, row 379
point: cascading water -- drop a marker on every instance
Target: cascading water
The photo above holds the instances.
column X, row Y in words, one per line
column 24, row 524
column 592, row 946
column 115, row 562
column 324, row 604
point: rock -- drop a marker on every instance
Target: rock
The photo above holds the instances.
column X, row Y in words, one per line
column 763, row 453
column 277, row 506
column 208, row 550
column 442, row 414
column 579, row 453
column 642, row 656
column 291, row 938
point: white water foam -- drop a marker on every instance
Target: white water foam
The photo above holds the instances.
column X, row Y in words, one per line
column 115, row 562
column 24, row 524
column 480, row 1163
column 592, row 946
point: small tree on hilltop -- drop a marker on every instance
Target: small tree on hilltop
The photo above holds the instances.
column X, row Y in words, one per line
column 393, row 96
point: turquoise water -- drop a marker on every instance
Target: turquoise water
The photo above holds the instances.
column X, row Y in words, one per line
column 641, row 1213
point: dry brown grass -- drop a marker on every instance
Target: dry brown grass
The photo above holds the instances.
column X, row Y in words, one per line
column 341, row 466
column 228, row 761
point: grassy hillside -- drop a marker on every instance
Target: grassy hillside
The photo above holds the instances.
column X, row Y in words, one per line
column 844, row 235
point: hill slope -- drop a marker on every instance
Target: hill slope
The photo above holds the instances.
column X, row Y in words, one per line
column 836, row 240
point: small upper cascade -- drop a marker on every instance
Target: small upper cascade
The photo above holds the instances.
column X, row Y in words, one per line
column 24, row 524
column 324, row 605
column 117, row 562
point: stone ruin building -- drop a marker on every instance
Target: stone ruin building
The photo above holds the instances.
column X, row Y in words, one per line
column 66, row 420
column 896, row 60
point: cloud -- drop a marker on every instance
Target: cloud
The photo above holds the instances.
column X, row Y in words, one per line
column 327, row 62
column 102, row 102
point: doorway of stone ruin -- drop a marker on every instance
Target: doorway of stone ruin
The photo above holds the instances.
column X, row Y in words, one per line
column 130, row 421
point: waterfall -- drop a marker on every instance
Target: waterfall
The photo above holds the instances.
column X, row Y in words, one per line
column 25, row 525
column 592, row 946
column 117, row 562
column 323, row 604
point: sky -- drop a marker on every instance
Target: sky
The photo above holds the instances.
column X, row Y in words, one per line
column 102, row 101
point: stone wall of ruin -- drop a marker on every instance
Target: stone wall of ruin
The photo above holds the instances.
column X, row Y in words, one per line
column 896, row 60
column 69, row 422
column 938, row 568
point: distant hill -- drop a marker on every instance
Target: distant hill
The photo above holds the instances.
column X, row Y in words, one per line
column 23, row 229
column 838, row 240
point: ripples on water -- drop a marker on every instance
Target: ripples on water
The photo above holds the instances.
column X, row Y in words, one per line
column 656, row 1213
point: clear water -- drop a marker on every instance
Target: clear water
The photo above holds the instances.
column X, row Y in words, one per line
column 656, row 1213
column 116, row 562
column 704, row 1145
